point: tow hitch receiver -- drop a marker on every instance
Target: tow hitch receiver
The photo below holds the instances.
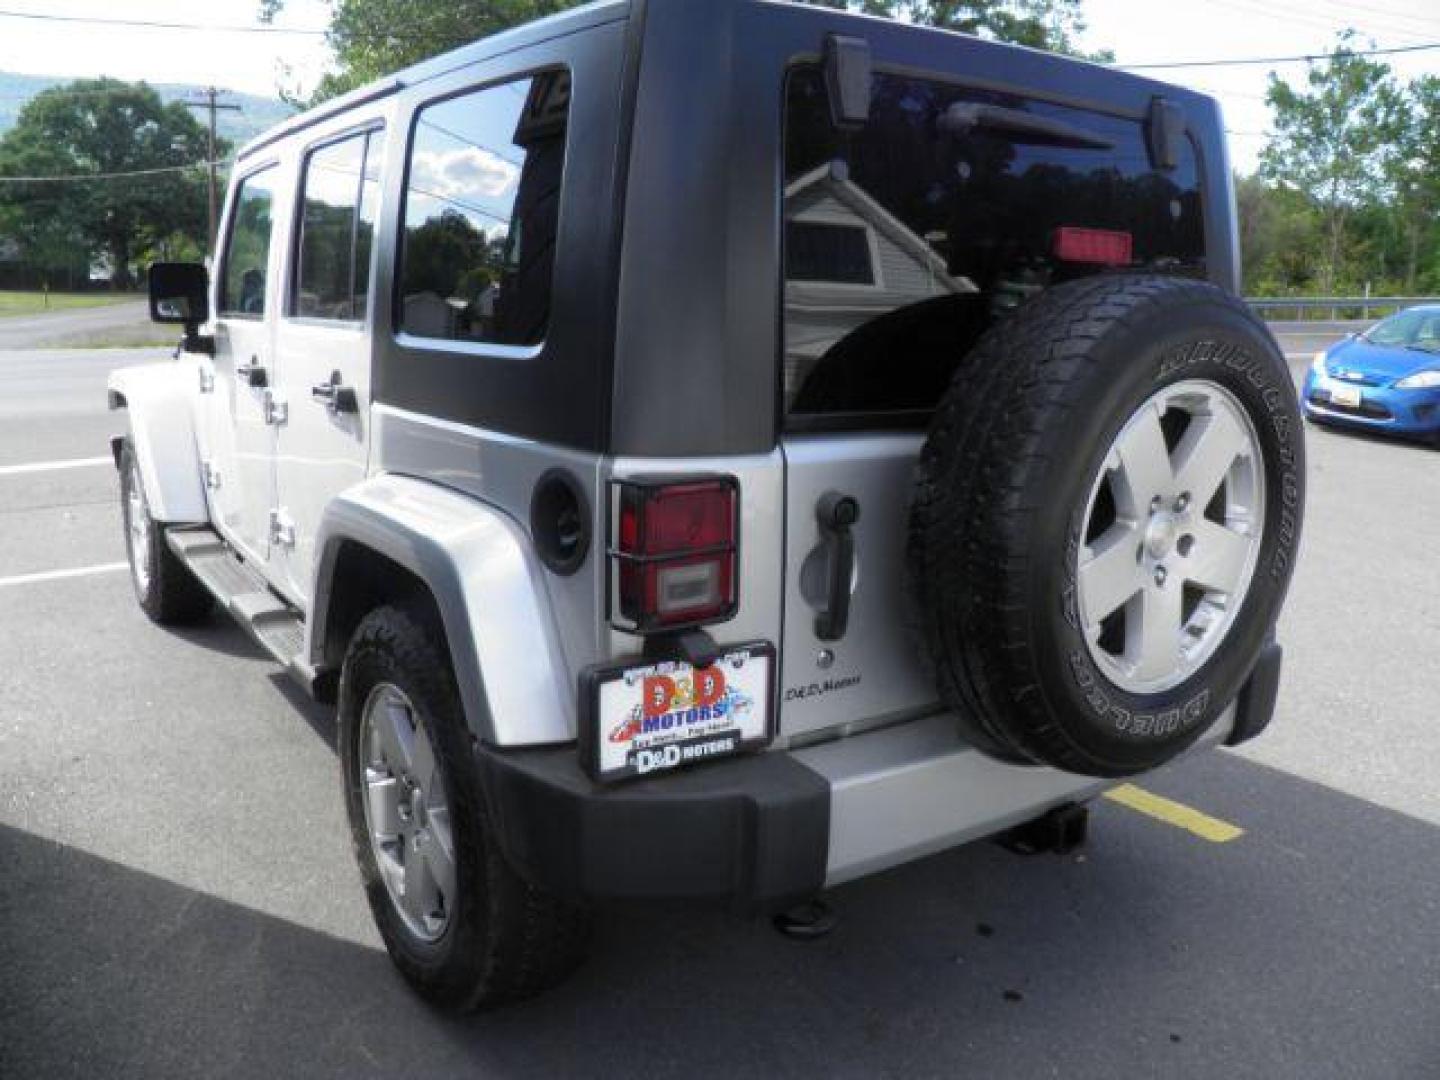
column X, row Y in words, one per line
column 1058, row 831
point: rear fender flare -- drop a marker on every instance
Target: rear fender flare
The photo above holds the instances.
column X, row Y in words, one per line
column 488, row 587
column 160, row 399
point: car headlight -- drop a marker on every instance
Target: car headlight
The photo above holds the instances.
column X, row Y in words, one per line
column 1421, row 380
column 1317, row 365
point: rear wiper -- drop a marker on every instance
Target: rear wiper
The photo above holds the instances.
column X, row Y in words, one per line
column 964, row 117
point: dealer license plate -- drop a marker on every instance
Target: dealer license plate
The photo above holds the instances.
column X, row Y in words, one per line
column 640, row 719
column 1341, row 394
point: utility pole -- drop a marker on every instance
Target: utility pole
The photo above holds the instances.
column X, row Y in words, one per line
column 210, row 93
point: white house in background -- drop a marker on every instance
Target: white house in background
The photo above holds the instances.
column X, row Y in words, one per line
column 848, row 260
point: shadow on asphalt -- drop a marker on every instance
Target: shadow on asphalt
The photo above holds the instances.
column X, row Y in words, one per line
column 218, row 632
column 1154, row 953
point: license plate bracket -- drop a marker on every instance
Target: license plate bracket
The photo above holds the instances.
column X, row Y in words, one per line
column 645, row 717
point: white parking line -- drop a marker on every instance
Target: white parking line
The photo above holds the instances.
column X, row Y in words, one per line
column 60, row 575
column 52, row 466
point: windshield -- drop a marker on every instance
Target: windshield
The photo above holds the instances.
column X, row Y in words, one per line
column 1418, row 328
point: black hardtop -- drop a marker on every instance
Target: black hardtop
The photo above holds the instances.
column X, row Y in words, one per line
column 667, row 316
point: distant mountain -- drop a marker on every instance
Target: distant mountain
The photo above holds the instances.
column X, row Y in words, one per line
column 257, row 113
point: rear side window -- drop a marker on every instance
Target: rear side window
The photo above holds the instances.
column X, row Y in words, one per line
column 341, row 188
column 246, row 259
column 906, row 240
column 482, row 206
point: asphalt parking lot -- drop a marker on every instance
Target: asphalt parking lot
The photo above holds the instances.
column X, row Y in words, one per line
column 177, row 895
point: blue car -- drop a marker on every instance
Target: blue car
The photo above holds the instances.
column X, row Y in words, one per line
column 1386, row 380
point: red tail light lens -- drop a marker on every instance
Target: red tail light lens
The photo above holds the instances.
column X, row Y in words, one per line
column 1102, row 247
column 673, row 563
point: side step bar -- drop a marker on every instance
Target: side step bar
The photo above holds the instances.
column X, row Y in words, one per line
column 276, row 626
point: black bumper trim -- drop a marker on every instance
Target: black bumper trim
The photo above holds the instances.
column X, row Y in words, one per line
column 1256, row 704
column 754, row 831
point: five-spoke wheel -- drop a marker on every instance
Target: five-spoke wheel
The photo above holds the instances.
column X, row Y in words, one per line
column 407, row 813
column 1173, row 529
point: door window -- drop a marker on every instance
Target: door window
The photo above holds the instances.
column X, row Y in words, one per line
column 246, row 259
column 341, row 188
column 482, row 205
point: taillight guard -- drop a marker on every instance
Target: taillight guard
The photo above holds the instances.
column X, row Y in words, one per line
column 673, row 552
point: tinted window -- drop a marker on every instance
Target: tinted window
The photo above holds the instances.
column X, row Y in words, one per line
column 482, row 205
column 247, row 249
column 955, row 194
column 341, row 190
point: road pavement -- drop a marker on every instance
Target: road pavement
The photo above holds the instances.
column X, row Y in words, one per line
column 76, row 326
column 178, row 896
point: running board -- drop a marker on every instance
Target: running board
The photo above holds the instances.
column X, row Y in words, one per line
column 276, row 626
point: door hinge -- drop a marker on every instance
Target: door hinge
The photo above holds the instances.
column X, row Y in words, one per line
column 282, row 528
column 277, row 410
column 211, row 475
column 207, row 380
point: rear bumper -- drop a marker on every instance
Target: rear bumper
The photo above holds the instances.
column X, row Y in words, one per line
column 767, row 830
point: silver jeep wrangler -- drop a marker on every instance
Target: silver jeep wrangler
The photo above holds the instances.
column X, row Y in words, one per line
column 718, row 450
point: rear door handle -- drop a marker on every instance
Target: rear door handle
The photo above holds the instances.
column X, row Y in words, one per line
column 338, row 397
column 836, row 513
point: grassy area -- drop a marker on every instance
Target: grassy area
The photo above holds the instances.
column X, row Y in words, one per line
column 37, row 303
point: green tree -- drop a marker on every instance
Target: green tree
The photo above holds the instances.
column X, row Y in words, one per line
column 95, row 127
column 1334, row 140
column 1415, row 176
column 442, row 254
column 372, row 38
column 1041, row 24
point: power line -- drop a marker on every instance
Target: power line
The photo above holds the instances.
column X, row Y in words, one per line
column 1284, row 59
column 109, row 175
column 214, row 105
column 150, row 24
column 1312, row 15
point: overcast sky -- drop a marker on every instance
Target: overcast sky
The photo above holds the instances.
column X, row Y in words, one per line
column 1139, row 31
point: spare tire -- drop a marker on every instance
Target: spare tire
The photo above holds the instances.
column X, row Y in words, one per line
column 1105, row 523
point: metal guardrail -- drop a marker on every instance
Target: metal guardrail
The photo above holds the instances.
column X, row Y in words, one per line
column 1334, row 307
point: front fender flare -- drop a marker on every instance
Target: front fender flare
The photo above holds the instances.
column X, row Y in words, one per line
column 490, row 591
column 160, row 399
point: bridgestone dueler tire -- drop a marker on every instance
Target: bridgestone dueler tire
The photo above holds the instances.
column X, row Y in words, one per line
column 999, row 515
column 506, row 939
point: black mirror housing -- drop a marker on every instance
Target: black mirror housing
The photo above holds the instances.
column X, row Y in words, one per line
column 179, row 293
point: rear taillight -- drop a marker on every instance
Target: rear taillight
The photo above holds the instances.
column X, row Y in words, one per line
column 673, row 554
column 1102, row 247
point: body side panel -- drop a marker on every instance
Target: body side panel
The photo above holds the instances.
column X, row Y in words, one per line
column 161, row 401
column 487, row 584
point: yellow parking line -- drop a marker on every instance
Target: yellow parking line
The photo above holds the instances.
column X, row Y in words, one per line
column 1174, row 813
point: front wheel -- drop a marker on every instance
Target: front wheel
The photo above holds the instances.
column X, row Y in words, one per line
column 166, row 589
column 461, row 925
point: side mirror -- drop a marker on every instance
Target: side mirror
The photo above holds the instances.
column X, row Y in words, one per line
column 179, row 293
